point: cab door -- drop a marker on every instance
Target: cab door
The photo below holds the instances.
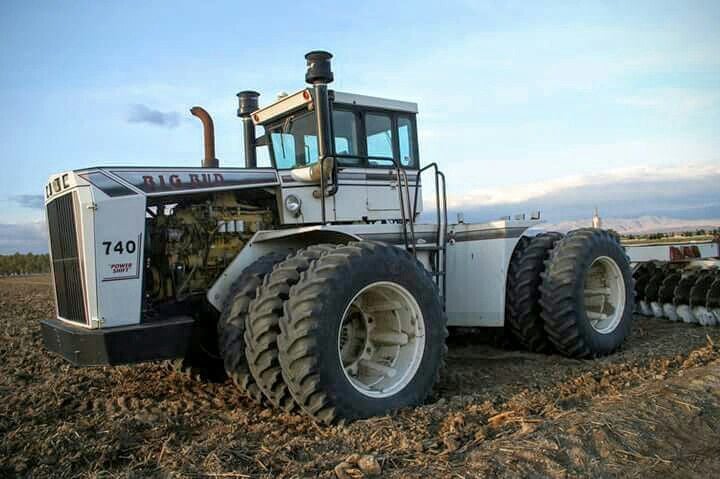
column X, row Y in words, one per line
column 389, row 135
column 348, row 202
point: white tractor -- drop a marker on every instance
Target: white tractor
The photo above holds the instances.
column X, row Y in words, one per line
column 309, row 281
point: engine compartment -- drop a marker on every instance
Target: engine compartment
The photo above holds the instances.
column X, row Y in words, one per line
column 191, row 240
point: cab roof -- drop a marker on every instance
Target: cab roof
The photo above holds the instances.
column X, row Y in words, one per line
column 304, row 97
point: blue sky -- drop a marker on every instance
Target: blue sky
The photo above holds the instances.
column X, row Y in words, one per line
column 522, row 103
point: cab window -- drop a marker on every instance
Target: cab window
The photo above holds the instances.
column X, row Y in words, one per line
column 378, row 128
column 283, row 149
column 261, row 149
column 406, row 139
column 346, row 141
column 294, row 142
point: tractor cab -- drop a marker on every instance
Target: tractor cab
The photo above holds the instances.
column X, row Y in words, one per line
column 352, row 147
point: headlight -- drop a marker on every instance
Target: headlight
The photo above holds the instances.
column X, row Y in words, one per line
column 292, row 204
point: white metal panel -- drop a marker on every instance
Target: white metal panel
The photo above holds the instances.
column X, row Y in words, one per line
column 359, row 195
column 347, row 204
column 310, row 207
column 476, row 276
column 383, row 200
column 85, row 224
column 60, row 183
column 375, row 102
column 119, row 269
column 478, row 256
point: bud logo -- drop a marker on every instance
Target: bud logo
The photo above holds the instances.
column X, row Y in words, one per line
column 192, row 180
column 156, row 182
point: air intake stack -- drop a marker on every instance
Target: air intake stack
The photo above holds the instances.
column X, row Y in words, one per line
column 248, row 103
column 319, row 74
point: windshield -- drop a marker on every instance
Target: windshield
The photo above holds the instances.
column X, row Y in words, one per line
column 294, row 142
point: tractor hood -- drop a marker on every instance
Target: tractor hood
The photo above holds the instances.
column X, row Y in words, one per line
column 125, row 181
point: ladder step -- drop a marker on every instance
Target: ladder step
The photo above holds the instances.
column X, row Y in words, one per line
column 427, row 247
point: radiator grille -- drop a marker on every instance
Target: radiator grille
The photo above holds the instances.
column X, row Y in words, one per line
column 65, row 259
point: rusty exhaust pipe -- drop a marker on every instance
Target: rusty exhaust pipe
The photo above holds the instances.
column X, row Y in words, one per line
column 208, row 135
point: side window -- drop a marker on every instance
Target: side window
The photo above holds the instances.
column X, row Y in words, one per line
column 294, row 142
column 263, row 157
column 346, row 142
column 406, row 139
column 345, row 133
column 262, row 151
column 283, row 149
column 312, row 152
column 379, row 138
column 304, row 129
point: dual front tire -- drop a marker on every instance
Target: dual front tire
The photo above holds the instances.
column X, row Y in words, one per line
column 344, row 332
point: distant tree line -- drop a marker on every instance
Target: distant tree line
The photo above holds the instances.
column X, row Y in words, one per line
column 24, row 264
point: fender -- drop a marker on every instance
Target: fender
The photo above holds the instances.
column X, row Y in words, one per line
column 533, row 231
column 269, row 241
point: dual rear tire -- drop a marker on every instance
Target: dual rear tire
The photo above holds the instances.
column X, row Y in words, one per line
column 573, row 295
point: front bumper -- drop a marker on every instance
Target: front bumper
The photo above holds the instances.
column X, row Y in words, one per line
column 168, row 339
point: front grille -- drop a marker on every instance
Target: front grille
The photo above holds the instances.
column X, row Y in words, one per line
column 65, row 258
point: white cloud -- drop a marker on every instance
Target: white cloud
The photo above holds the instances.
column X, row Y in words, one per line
column 685, row 191
column 632, row 176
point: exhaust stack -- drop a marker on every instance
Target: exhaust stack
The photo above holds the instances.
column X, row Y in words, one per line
column 208, row 135
column 248, row 103
column 319, row 74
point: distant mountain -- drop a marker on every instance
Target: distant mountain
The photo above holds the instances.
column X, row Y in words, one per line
column 642, row 224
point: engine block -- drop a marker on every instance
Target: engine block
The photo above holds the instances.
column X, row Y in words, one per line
column 191, row 242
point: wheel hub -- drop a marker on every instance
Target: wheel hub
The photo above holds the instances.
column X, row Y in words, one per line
column 381, row 339
column 604, row 295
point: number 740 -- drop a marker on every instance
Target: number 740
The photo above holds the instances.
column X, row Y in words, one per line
column 120, row 247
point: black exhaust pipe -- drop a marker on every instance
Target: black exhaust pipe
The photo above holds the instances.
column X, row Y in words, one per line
column 248, row 103
column 319, row 74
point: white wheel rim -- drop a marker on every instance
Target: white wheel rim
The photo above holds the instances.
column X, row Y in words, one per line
column 604, row 295
column 381, row 339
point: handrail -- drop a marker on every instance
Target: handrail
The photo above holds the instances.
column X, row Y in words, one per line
column 442, row 221
column 440, row 174
column 402, row 183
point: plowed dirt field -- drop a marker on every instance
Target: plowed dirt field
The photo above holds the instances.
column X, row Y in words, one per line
column 651, row 410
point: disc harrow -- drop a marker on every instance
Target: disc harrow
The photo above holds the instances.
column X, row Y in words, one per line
column 688, row 292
